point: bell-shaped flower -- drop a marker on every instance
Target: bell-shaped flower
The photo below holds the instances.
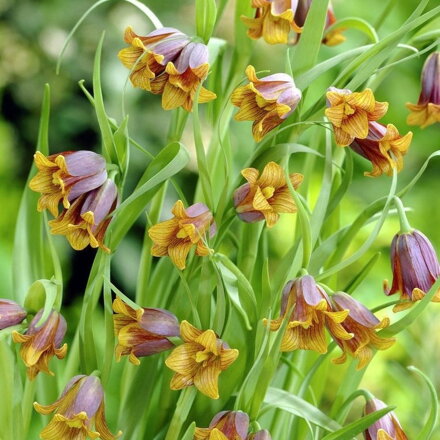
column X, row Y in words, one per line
column 87, row 219
column 41, row 342
column 362, row 324
column 167, row 62
column 350, row 113
column 188, row 228
column 387, row 427
column 199, row 360
column 142, row 332
column 427, row 110
column 226, row 425
column 384, row 147
column 311, row 313
column 415, row 268
column 65, row 176
column 10, row 313
column 265, row 197
column 267, row 101
column 263, row 434
column 79, row 412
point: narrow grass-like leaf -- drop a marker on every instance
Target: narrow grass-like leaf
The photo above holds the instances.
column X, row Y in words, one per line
column 362, row 274
column 206, row 15
column 42, row 294
column 355, row 23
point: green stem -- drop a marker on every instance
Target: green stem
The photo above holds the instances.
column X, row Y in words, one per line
column 405, row 227
column 183, row 407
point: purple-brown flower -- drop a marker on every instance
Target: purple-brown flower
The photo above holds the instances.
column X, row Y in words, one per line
column 10, row 313
column 79, row 412
column 387, row 427
column 41, row 342
column 86, row 220
column 384, row 147
column 267, row 101
column 415, row 268
column 65, row 176
column 427, row 109
column 167, row 62
column 311, row 313
column 362, row 325
column 260, row 435
column 142, row 332
column 226, row 425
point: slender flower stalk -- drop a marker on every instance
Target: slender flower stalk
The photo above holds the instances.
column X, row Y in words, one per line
column 10, row 313
column 199, row 360
column 79, row 412
column 265, row 196
column 142, row 332
column 41, row 342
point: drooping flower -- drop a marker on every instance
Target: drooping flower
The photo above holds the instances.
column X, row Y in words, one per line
column 267, row 101
column 265, row 197
column 311, row 313
column 274, row 19
column 10, row 313
column 415, row 268
column 200, row 360
column 65, row 176
column 79, row 412
column 188, row 228
column 362, row 324
column 384, row 147
column 260, row 435
column 387, row 427
column 226, row 425
column 350, row 113
column 87, row 219
column 142, row 332
column 427, row 110
column 41, row 342
column 167, row 62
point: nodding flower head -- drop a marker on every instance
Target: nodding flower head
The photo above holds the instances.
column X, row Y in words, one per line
column 10, row 313
column 226, row 425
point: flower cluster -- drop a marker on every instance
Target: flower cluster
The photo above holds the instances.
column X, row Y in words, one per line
column 230, row 425
column 169, row 63
column 79, row 180
column 274, row 19
column 354, row 118
column 310, row 310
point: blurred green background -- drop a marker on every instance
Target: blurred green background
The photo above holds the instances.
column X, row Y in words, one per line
column 32, row 34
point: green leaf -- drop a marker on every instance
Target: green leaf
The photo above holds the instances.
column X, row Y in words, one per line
column 122, row 144
column 431, row 422
column 189, row 433
column 306, row 52
column 355, row 23
column 362, row 274
column 206, row 15
column 352, row 429
column 285, row 401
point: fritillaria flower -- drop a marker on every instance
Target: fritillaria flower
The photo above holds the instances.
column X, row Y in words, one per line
column 41, row 342
column 199, row 360
column 142, row 332
column 384, row 147
column 79, row 412
column 387, row 427
column 87, row 219
column 10, row 313
column 362, row 324
column 274, row 19
column 267, row 101
column 167, row 62
column 226, row 425
column 350, row 113
column 311, row 313
column 427, row 109
column 188, row 228
column 265, row 197
column 65, row 176
column 415, row 268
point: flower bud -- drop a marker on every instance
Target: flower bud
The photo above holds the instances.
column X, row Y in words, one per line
column 226, row 425
column 10, row 313
column 79, row 412
column 415, row 268
column 142, row 332
column 41, row 342
column 65, row 176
